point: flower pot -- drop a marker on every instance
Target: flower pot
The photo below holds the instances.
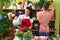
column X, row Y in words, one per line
column 20, row 38
column 30, row 38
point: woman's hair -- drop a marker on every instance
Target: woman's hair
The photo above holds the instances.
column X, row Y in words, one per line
column 30, row 9
column 46, row 5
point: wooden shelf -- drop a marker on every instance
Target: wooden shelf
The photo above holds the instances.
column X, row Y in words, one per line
column 22, row 10
column 17, row 10
column 51, row 20
column 37, row 30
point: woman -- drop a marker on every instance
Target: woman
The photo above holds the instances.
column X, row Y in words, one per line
column 24, row 20
column 44, row 18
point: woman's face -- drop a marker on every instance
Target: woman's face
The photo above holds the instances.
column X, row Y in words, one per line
column 27, row 11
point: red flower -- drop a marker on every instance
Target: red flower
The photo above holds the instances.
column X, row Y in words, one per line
column 25, row 24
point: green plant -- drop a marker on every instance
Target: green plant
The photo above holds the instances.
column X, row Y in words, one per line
column 1, row 4
column 41, row 2
column 54, row 37
column 3, row 13
column 49, row 1
column 27, row 34
column 4, row 23
column 30, row 2
column 5, row 2
column 20, row 34
column 1, row 32
column 20, row 3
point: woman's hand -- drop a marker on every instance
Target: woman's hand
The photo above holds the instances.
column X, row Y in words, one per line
column 30, row 28
column 15, row 18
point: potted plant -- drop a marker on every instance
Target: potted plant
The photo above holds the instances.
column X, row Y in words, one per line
column 27, row 35
column 54, row 37
column 4, row 24
column 1, row 15
column 20, row 35
column 41, row 2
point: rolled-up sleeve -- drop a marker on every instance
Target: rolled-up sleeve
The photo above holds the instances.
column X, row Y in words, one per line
column 17, row 21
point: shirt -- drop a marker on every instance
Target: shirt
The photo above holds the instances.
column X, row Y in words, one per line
column 19, row 19
column 44, row 18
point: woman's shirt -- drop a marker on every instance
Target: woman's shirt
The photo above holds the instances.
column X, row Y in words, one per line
column 44, row 18
column 18, row 21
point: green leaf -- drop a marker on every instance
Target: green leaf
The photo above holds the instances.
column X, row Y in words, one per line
column 41, row 2
column 27, row 34
column 5, row 2
column 1, row 4
column 20, row 34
